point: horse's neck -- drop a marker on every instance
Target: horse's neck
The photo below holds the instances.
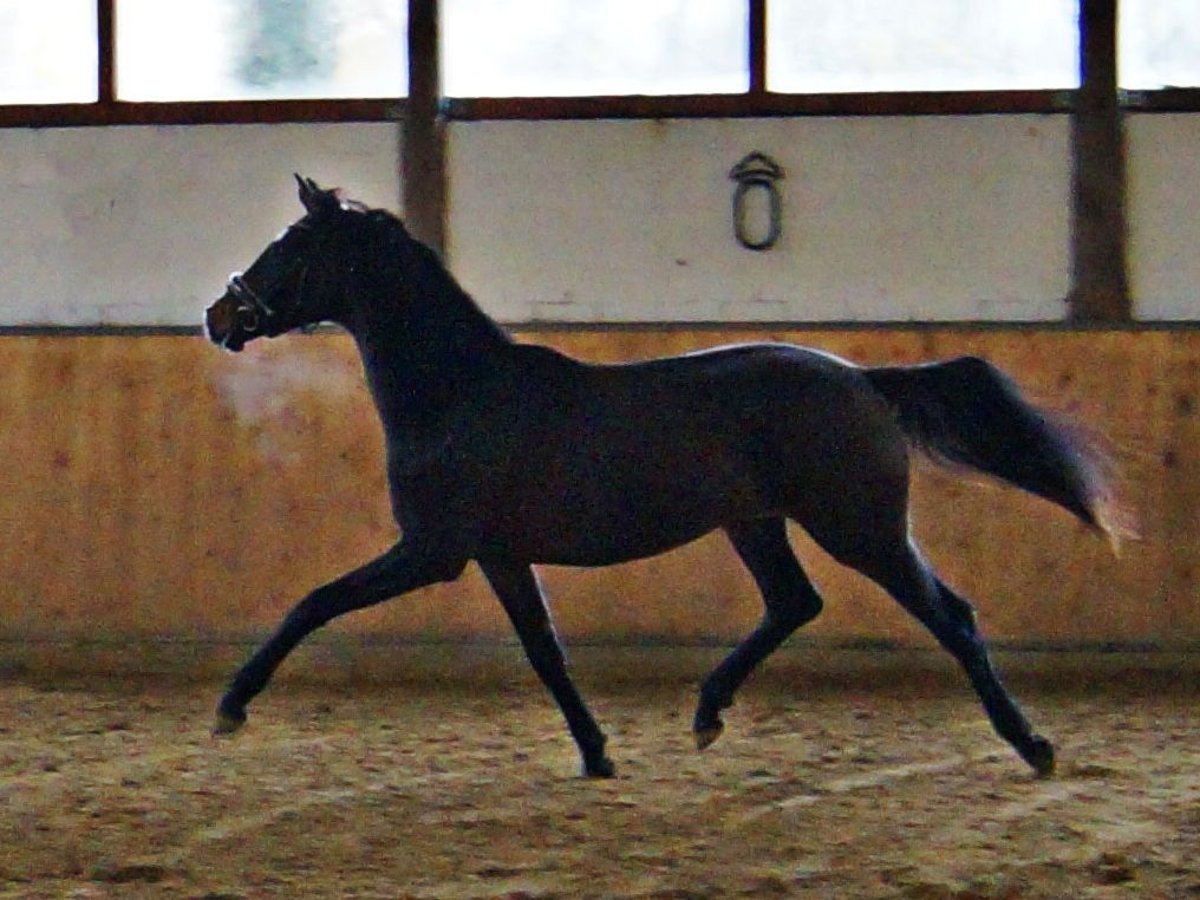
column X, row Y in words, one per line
column 423, row 348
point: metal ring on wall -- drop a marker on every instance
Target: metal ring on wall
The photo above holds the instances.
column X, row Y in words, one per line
column 757, row 171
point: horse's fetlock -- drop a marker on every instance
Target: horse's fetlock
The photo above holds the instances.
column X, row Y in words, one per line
column 714, row 697
column 599, row 766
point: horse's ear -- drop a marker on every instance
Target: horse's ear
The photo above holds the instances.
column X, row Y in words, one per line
column 315, row 199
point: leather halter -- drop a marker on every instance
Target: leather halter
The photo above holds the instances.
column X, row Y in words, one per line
column 253, row 309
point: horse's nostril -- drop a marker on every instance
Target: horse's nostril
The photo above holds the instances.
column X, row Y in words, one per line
column 219, row 319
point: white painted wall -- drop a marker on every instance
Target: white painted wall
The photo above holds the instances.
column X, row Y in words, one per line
column 1164, row 215
column 885, row 219
column 142, row 225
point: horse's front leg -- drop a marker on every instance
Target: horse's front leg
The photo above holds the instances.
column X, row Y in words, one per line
column 519, row 592
column 407, row 566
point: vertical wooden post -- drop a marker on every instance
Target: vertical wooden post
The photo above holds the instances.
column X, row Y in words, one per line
column 757, row 27
column 1099, row 280
column 106, row 51
column 423, row 158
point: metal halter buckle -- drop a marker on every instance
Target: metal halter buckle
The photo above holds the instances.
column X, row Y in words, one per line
column 252, row 309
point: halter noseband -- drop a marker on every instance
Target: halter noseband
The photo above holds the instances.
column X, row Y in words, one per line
column 253, row 310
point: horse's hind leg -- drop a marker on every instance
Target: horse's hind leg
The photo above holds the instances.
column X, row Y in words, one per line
column 951, row 620
column 519, row 592
column 790, row 600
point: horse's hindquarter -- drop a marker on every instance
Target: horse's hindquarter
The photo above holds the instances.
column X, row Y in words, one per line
column 592, row 465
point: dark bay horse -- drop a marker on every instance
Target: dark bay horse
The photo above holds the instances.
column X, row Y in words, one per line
column 512, row 455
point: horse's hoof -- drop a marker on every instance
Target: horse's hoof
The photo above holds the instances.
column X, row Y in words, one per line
column 599, row 768
column 228, row 723
column 1040, row 755
column 705, row 736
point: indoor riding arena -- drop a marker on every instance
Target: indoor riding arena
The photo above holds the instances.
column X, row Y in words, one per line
column 891, row 185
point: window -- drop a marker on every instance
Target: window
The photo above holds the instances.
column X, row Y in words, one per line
column 106, row 61
column 563, row 47
column 48, row 52
column 831, row 46
column 260, row 49
column 1158, row 44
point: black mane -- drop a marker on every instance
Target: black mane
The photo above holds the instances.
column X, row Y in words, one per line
column 431, row 298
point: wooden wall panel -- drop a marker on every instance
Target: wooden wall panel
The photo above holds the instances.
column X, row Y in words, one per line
column 156, row 489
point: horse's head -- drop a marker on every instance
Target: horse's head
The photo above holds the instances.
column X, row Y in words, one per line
column 284, row 288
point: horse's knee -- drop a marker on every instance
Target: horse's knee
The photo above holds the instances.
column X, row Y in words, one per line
column 799, row 608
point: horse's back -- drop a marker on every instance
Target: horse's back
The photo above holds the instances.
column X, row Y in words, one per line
column 736, row 360
column 782, row 404
column 774, row 386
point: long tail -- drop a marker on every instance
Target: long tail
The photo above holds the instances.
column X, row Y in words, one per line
column 966, row 412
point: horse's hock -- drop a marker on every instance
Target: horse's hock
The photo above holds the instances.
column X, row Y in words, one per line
column 178, row 501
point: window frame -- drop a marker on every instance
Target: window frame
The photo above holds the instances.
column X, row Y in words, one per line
column 756, row 101
column 108, row 109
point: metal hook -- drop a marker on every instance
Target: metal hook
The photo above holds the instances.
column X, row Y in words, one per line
column 757, row 171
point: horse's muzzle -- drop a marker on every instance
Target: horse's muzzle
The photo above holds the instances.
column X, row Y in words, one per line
column 223, row 322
